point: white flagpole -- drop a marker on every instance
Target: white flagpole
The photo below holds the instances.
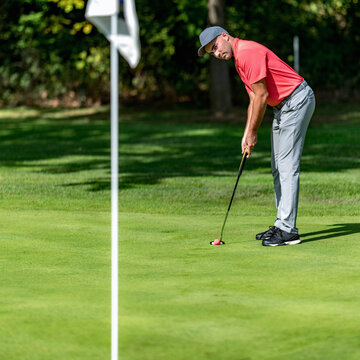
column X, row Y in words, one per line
column 114, row 193
column 296, row 46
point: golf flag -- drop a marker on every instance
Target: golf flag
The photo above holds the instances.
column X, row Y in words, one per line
column 117, row 20
column 126, row 39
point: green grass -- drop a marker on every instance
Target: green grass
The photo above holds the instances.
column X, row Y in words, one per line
column 179, row 297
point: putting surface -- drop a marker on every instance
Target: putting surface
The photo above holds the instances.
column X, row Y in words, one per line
column 241, row 300
column 180, row 297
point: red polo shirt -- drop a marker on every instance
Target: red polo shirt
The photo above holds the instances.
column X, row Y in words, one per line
column 254, row 62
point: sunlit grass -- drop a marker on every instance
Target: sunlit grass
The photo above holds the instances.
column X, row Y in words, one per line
column 180, row 298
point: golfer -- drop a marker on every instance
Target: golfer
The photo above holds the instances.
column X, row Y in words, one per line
column 270, row 81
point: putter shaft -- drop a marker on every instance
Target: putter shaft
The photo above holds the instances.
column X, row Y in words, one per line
column 242, row 163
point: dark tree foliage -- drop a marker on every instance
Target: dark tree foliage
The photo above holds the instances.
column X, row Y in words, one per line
column 49, row 51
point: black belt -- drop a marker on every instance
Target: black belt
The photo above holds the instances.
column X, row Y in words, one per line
column 297, row 89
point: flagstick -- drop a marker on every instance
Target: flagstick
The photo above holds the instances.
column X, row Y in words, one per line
column 114, row 194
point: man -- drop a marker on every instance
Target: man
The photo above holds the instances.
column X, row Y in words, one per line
column 270, row 81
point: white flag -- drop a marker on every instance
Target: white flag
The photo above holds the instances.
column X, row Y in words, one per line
column 126, row 40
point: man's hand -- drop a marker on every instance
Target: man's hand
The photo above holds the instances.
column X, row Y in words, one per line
column 248, row 142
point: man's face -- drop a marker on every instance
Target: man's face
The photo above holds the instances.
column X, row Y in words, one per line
column 220, row 47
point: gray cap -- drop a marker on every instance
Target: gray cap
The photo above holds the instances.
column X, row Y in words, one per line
column 208, row 35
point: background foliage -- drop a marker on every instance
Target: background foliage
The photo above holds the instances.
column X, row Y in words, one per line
column 49, row 53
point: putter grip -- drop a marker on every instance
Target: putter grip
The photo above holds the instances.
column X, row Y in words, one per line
column 242, row 163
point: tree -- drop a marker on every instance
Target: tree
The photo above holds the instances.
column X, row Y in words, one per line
column 50, row 54
column 220, row 92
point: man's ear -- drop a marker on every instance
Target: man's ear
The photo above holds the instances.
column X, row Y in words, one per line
column 225, row 36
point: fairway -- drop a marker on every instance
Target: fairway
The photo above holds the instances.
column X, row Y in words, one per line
column 180, row 298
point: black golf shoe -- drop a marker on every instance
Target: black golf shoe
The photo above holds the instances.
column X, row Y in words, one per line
column 280, row 238
column 266, row 234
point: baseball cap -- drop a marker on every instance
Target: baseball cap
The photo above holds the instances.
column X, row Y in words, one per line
column 208, row 35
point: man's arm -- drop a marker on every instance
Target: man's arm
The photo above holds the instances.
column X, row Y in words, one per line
column 256, row 111
column 248, row 119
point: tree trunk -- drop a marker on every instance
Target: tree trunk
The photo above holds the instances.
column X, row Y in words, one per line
column 220, row 92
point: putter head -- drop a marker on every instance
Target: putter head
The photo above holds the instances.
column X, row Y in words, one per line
column 219, row 243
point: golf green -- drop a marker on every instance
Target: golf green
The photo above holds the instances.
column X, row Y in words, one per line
column 180, row 298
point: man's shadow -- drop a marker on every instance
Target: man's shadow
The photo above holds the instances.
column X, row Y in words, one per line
column 335, row 231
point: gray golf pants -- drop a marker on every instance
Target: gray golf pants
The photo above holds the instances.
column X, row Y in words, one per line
column 287, row 141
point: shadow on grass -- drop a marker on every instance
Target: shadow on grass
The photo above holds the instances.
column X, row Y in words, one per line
column 157, row 146
column 336, row 230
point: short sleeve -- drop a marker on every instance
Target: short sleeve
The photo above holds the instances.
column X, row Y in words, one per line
column 255, row 66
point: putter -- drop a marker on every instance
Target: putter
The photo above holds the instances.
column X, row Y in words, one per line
column 242, row 163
